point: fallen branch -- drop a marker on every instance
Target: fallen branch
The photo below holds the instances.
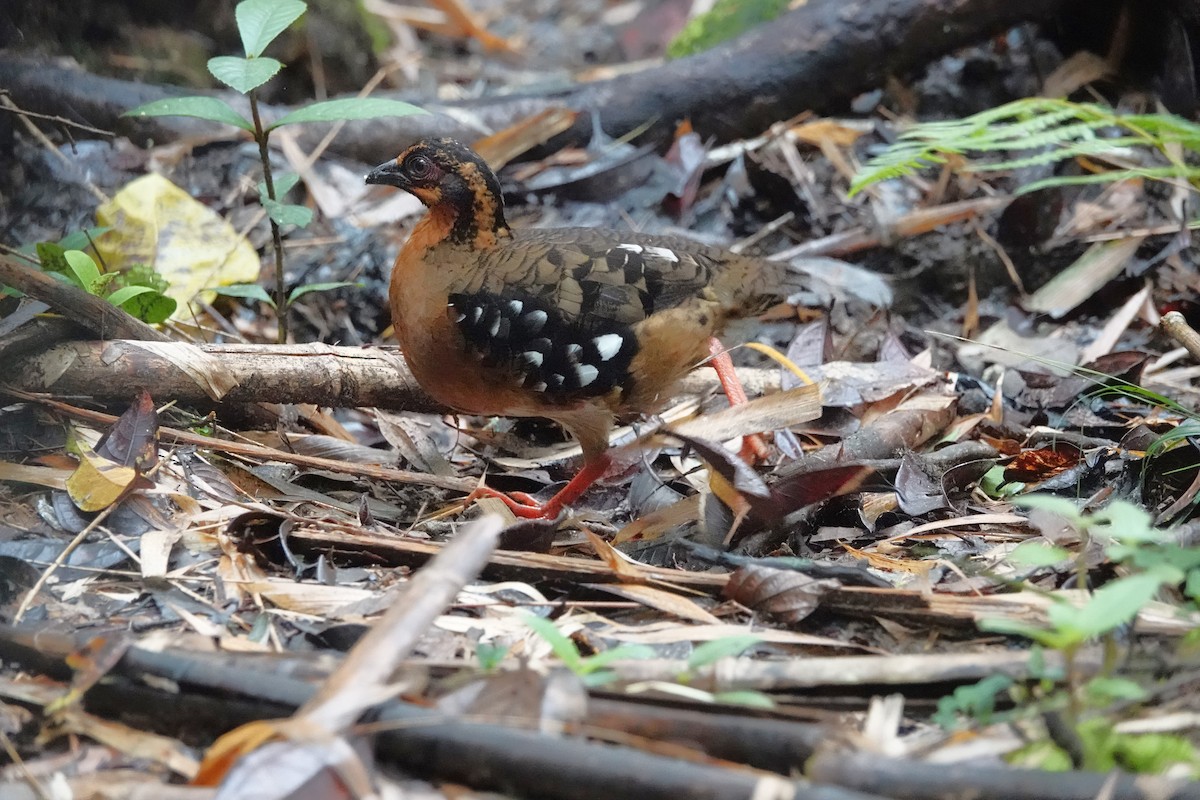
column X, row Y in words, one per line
column 94, row 313
column 816, row 57
column 431, row 744
column 916, row 779
column 323, row 375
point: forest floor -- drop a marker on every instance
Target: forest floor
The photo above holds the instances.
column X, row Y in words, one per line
column 967, row 566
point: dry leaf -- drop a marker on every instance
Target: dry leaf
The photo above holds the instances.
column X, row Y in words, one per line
column 787, row 595
column 97, row 483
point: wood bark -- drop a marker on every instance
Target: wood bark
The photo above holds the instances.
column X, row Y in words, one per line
column 815, row 57
column 323, row 375
column 914, row 779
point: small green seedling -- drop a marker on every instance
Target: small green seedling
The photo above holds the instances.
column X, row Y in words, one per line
column 705, row 655
column 259, row 22
column 1153, row 561
column 590, row 669
column 138, row 290
column 490, row 656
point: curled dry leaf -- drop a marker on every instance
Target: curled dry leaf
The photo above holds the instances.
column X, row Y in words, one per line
column 1042, row 463
column 122, row 456
column 801, row 489
column 773, row 412
column 786, row 595
column 133, row 439
column 529, row 535
column 917, row 492
column 685, row 160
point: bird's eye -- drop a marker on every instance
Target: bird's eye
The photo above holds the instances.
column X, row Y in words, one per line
column 419, row 167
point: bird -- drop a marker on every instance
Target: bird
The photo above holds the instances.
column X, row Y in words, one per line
column 576, row 325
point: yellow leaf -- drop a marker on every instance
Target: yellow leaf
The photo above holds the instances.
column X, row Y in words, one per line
column 97, row 483
column 154, row 222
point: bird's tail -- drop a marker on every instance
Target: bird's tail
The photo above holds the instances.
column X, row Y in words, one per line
column 753, row 286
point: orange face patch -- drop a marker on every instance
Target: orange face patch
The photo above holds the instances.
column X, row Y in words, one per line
column 431, row 196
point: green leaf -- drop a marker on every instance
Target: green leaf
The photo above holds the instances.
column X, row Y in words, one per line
column 563, row 647
column 602, row 677
column 300, row 291
column 209, row 108
column 977, row 701
column 1111, row 606
column 287, row 213
column 283, row 184
column 1103, row 691
column 623, row 652
column 1040, row 670
column 724, row 20
column 83, row 269
column 144, row 275
column 1128, row 523
column 51, row 256
column 1067, row 509
column 126, row 293
column 490, row 655
column 1041, row 754
column 79, row 240
column 746, row 698
column 1037, row 554
column 994, row 484
column 1192, row 587
column 708, row 653
column 1154, row 753
column 248, row 291
column 144, row 303
column 349, row 108
column 260, row 21
column 1049, row 638
column 1040, row 130
column 243, row 74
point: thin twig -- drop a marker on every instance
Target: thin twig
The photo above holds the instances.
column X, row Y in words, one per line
column 56, row 120
column 36, row 133
column 249, row 450
column 16, row 759
column 59, row 560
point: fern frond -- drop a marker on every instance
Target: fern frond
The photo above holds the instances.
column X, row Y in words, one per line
column 1054, row 130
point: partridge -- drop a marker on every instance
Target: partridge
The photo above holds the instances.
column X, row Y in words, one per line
column 578, row 325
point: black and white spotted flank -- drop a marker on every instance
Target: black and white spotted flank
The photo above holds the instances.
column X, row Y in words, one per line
column 547, row 353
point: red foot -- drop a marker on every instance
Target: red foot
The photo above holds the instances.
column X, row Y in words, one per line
column 754, row 449
column 527, row 507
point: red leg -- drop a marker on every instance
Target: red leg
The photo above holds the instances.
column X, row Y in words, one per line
column 525, row 506
column 754, row 449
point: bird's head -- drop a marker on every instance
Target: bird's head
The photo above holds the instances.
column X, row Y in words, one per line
column 448, row 176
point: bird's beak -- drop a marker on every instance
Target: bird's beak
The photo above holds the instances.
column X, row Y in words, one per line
column 387, row 174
